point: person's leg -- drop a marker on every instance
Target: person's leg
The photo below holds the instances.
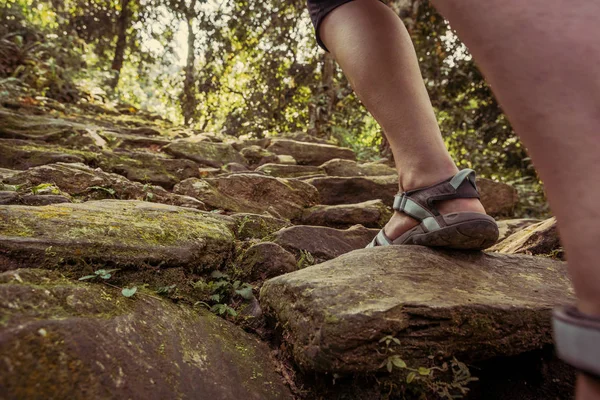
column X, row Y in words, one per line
column 541, row 58
column 374, row 50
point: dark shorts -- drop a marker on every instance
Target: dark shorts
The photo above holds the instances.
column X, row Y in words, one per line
column 318, row 9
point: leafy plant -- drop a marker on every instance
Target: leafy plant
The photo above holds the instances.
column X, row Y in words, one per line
column 221, row 291
column 104, row 275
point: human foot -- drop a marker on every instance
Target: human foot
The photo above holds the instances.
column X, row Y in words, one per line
column 447, row 214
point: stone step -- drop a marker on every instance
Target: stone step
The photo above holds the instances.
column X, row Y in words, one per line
column 306, row 153
column 204, row 152
column 113, row 232
column 339, row 167
column 371, row 214
column 68, row 340
column 468, row 305
column 252, row 193
column 85, row 183
column 290, row 171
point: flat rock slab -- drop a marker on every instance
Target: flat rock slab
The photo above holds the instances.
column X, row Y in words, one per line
column 372, row 214
column 306, row 153
column 321, row 242
column 204, row 153
column 290, row 171
column 85, row 183
column 113, row 232
column 67, row 340
column 470, row 305
column 252, row 193
column 339, row 167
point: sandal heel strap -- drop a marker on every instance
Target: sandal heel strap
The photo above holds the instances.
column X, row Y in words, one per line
column 577, row 339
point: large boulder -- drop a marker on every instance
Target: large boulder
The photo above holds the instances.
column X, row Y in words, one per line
column 22, row 154
column 66, row 340
column 290, row 171
column 372, row 214
column 468, row 305
column 537, row 239
column 84, row 183
column 113, row 232
column 339, row 167
column 323, row 243
column 307, row 153
column 263, row 261
column 118, row 140
column 204, row 152
column 252, row 193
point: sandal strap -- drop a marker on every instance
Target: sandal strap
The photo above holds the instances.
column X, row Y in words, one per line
column 577, row 338
column 420, row 203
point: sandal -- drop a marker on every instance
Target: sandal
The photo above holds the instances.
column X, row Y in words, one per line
column 458, row 230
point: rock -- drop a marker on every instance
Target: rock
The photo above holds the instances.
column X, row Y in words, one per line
column 468, row 305
column 235, row 167
column 256, row 156
column 21, row 154
column 509, row 226
column 70, row 340
column 537, row 239
column 85, row 183
column 499, row 199
column 43, row 129
column 289, row 171
column 113, row 232
column 255, row 226
column 323, row 243
column 205, row 153
column 265, row 260
column 9, row 197
column 251, row 193
column 339, row 167
column 6, row 173
column 303, row 137
column 128, row 141
column 209, row 172
column 43, row 200
column 240, row 144
column 372, row 214
column 309, row 153
column 286, row 159
column 352, row 190
column 148, row 167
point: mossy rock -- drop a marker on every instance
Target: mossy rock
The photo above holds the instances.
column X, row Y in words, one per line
column 255, row 226
column 290, row 171
column 68, row 340
column 371, row 214
column 112, row 232
column 85, row 183
column 307, row 153
column 252, row 193
column 204, row 152
column 339, row 167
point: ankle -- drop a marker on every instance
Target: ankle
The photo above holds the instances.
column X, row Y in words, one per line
column 414, row 178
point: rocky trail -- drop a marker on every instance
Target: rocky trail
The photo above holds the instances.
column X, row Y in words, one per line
column 221, row 268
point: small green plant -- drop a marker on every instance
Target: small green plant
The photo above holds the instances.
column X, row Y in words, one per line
column 221, row 291
column 445, row 388
column 45, row 188
column 104, row 275
column 306, row 259
column 110, row 191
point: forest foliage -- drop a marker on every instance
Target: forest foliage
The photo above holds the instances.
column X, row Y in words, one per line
column 248, row 67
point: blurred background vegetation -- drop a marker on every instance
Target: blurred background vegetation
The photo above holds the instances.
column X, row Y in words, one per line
column 248, row 67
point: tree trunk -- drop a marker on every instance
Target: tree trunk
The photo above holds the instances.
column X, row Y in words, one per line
column 320, row 113
column 122, row 25
column 188, row 105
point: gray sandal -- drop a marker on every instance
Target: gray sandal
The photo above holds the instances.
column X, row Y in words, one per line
column 459, row 230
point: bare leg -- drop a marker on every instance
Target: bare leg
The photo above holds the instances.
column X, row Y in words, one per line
column 541, row 57
column 375, row 52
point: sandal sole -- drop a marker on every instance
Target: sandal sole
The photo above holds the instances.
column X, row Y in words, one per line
column 477, row 234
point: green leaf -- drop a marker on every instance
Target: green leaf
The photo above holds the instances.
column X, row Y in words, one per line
column 105, row 276
column 389, row 365
column 218, row 275
column 215, row 297
column 424, row 371
column 398, row 362
column 410, row 377
column 83, row 278
column 396, row 341
column 128, row 292
column 246, row 293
